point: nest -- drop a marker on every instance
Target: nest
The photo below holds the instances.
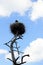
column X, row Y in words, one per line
column 17, row 28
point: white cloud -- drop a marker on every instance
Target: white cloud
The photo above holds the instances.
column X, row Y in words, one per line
column 37, row 10
column 21, row 6
column 3, row 51
column 9, row 6
column 35, row 50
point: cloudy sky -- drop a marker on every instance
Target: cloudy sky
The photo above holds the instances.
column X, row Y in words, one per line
column 29, row 12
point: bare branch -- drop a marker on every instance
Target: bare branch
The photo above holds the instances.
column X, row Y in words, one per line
column 9, row 59
column 16, row 59
column 23, row 57
column 7, row 44
column 17, row 51
column 22, row 63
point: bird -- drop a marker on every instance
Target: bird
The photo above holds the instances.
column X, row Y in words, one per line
column 17, row 28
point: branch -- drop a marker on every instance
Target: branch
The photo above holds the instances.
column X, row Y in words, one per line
column 10, row 59
column 16, row 51
column 16, row 59
column 17, row 47
column 7, row 44
column 22, row 63
column 23, row 57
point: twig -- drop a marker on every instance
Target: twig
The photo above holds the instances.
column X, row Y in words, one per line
column 23, row 57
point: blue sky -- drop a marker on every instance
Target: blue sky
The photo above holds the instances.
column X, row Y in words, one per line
column 29, row 12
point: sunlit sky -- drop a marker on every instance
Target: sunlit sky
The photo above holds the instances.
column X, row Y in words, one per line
column 30, row 13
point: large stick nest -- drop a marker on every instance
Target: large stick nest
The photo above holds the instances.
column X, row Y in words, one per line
column 17, row 28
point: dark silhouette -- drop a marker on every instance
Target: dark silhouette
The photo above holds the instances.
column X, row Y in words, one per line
column 18, row 29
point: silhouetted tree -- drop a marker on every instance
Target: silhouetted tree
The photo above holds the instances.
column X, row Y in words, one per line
column 18, row 29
